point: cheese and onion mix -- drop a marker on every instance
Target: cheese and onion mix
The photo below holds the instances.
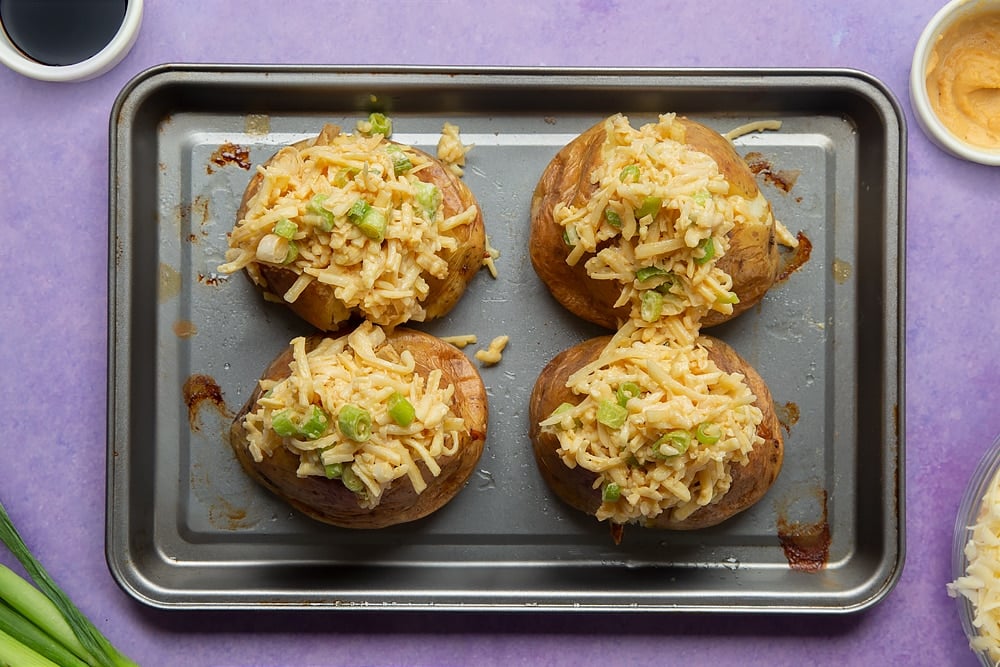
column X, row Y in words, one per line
column 659, row 423
column 354, row 408
column 350, row 211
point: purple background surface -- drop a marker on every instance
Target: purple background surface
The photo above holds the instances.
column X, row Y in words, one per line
column 53, row 266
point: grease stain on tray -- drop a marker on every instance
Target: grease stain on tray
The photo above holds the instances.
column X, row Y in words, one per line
column 804, row 529
column 229, row 153
column 169, row 283
column 796, row 259
column 788, row 415
column 782, row 179
column 201, row 389
column 185, row 329
column 841, row 271
column 257, row 124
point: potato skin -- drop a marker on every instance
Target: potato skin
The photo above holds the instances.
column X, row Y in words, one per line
column 752, row 260
column 320, row 307
column 575, row 485
column 329, row 501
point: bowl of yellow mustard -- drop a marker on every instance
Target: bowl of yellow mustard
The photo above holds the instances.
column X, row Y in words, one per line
column 955, row 80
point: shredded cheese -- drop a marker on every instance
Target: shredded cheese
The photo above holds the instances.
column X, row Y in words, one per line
column 364, row 370
column 305, row 218
column 490, row 256
column 982, row 574
column 658, row 422
column 451, row 150
column 494, row 352
column 751, row 127
column 461, row 341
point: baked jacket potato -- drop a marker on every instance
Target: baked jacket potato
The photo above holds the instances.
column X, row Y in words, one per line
column 572, row 179
column 346, row 226
column 416, row 454
column 749, row 475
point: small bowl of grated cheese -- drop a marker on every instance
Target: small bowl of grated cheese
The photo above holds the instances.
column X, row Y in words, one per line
column 976, row 559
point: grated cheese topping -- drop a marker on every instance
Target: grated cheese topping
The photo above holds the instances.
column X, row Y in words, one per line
column 659, row 423
column 451, row 150
column 494, row 351
column 979, row 584
column 364, row 370
column 305, row 218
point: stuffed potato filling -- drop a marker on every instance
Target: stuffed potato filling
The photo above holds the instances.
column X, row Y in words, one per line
column 354, row 409
column 659, row 424
column 658, row 221
column 350, row 211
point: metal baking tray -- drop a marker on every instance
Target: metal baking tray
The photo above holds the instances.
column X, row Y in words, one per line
column 187, row 529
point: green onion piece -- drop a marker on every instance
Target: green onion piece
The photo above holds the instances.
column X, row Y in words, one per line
column 644, row 273
column 351, row 480
column 373, row 224
column 334, row 470
column 315, row 206
column 286, row 228
column 701, row 197
column 650, row 206
column 570, row 237
column 428, row 197
column 93, row 644
column 400, row 161
column 315, row 424
column 355, row 423
column 611, row 414
column 381, row 124
column 669, row 282
column 563, row 407
column 630, row 173
column 282, row 424
column 401, row 410
column 707, row 433
column 679, row 440
column 357, row 211
column 627, row 390
column 611, row 492
column 292, row 253
column 729, row 297
column 18, row 628
column 707, row 247
column 650, row 305
column 613, row 218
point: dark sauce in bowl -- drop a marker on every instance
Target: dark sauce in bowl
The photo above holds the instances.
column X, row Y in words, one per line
column 61, row 32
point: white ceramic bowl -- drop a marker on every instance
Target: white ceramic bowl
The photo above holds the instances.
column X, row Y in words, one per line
column 928, row 120
column 985, row 474
column 94, row 66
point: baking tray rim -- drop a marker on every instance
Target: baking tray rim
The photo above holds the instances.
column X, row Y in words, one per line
column 894, row 372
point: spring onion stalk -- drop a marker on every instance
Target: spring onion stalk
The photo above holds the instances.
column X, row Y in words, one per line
column 30, row 635
column 95, row 646
column 373, row 224
column 355, row 423
column 16, row 654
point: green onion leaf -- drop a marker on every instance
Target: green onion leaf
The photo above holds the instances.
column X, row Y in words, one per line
column 428, row 197
column 380, row 124
column 570, row 237
column 355, row 423
column 611, row 414
column 644, row 273
column 373, row 224
column 678, row 441
column 611, row 492
column 627, row 390
column 334, row 470
column 286, row 228
column 401, row 410
column 351, row 480
column 630, row 173
column 708, row 433
column 357, row 211
column 650, row 305
column 707, row 247
column 650, row 206
column 613, row 218
column 315, row 424
column 282, row 424
column 729, row 297
column 400, row 161
column 315, row 206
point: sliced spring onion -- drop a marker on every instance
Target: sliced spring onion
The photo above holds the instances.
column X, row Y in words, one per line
column 334, row 470
column 669, row 282
column 611, row 492
column 282, row 424
column 729, row 297
column 292, row 253
column 613, row 218
column 630, row 173
column 611, row 414
column 707, row 247
column 678, row 441
column 351, row 480
column 400, row 161
column 357, row 211
column 272, row 249
column 701, row 197
column 627, row 390
column 373, row 224
column 562, row 407
column 644, row 273
column 380, row 124
column 428, row 197
column 285, row 228
column 355, row 423
column 570, row 236
column 315, row 423
column 650, row 206
column 401, row 410
column 650, row 305
column 315, row 206
column 94, row 645
column 708, row 433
